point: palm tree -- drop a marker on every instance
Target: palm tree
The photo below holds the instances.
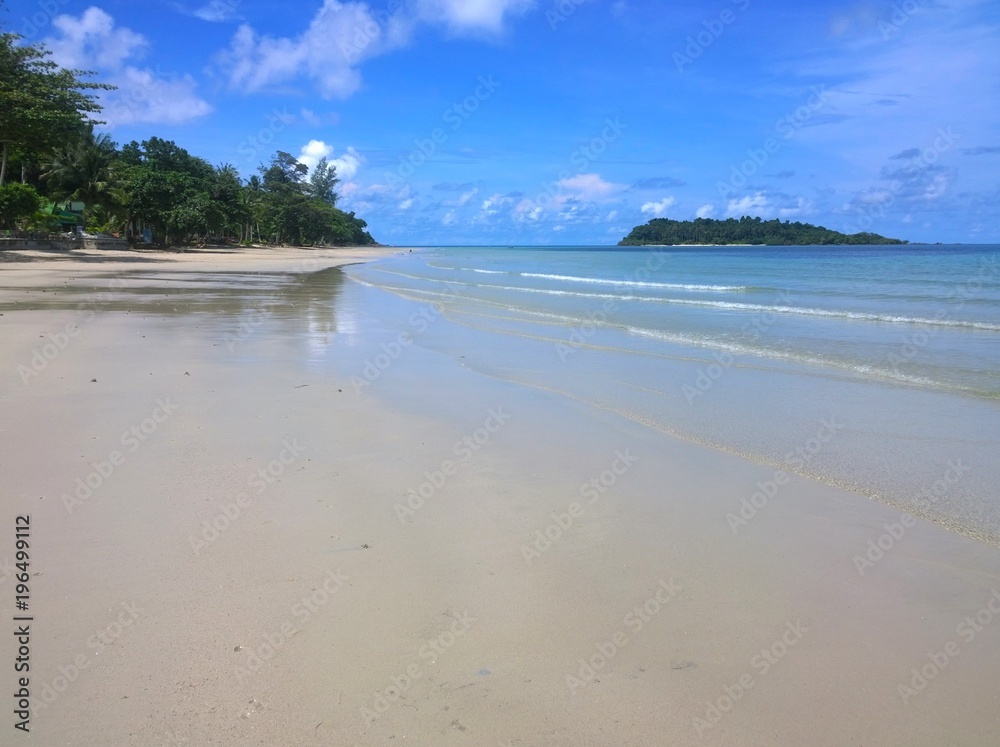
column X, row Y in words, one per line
column 253, row 205
column 84, row 171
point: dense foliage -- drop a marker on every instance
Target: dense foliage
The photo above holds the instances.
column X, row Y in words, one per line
column 17, row 202
column 746, row 230
column 151, row 188
column 41, row 104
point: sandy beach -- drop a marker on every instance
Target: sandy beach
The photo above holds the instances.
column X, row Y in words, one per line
column 259, row 517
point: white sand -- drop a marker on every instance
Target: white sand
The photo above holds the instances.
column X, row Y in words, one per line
column 443, row 604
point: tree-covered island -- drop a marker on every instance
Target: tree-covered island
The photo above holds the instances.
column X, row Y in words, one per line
column 746, row 230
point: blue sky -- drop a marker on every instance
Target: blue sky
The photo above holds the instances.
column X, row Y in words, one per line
column 570, row 121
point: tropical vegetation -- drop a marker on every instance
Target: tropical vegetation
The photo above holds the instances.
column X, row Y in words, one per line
column 746, row 230
column 50, row 144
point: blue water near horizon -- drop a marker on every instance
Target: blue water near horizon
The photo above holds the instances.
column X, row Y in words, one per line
column 748, row 349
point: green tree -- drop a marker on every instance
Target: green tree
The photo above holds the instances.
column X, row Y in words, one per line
column 285, row 174
column 252, row 199
column 285, row 199
column 323, row 181
column 41, row 104
column 85, row 171
column 17, row 202
column 227, row 194
column 746, row 230
column 168, row 190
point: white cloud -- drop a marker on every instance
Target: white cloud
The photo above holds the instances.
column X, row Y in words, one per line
column 342, row 35
column 406, row 204
column 658, row 209
column 339, row 37
column 147, row 97
column 449, row 218
column 705, row 211
column 217, row 11
column 757, row 204
column 472, row 16
column 496, row 203
column 527, row 210
column 462, row 200
column 589, row 187
column 768, row 206
column 93, row 41
column 313, row 151
column 348, row 164
column 313, row 119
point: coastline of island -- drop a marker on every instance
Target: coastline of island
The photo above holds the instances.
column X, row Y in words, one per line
column 746, row 231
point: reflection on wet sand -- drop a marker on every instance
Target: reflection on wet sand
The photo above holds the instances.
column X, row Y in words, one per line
column 212, row 302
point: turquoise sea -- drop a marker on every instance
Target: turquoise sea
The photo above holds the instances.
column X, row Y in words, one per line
column 872, row 368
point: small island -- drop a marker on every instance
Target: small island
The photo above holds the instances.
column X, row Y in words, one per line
column 746, row 230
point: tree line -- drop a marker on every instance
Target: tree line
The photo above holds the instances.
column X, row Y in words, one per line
column 51, row 154
column 746, row 230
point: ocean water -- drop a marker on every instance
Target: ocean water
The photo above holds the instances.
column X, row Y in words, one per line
column 871, row 368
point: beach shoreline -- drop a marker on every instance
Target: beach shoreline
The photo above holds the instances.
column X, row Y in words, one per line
column 296, row 543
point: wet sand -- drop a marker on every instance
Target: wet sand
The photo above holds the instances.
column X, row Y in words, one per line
column 277, row 539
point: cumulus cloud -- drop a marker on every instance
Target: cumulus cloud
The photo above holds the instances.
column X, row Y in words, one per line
column 498, row 202
column 313, row 151
column 147, row 96
column 589, row 187
column 527, row 210
column 658, row 209
column 342, row 35
column 705, row 211
column 347, row 164
column 93, row 41
column 339, row 37
column 756, row 204
column 466, row 197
